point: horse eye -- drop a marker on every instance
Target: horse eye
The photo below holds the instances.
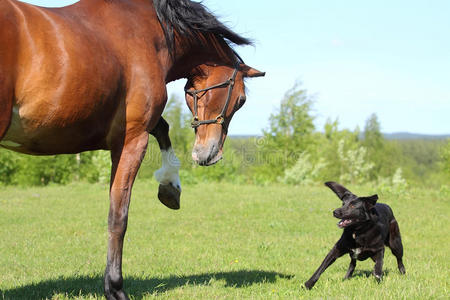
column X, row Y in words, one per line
column 241, row 101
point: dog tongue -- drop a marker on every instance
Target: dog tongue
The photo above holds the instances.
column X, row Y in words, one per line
column 344, row 223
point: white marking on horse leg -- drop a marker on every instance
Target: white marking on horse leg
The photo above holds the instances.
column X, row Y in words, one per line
column 168, row 174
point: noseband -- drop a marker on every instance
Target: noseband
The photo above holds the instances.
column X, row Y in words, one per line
column 220, row 119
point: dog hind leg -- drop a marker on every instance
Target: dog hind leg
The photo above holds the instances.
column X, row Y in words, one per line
column 395, row 244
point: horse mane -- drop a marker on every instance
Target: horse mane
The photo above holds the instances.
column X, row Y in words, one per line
column 195, row 23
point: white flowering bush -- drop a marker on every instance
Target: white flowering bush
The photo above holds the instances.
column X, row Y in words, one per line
column 354, row 167
column 396, row 184
column 303, row 172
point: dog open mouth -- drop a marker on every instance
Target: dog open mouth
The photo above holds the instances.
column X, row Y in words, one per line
column 345, row 222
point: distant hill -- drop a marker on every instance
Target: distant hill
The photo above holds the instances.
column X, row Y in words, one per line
column 414, row 136
column 244, row 136
column 388, row 136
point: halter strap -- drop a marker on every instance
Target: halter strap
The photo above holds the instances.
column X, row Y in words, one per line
column 220, row 119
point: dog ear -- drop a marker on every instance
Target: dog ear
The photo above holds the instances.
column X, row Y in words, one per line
column 371, row 200
column 338, row 189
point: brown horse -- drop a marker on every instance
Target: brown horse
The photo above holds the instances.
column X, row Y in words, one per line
column 93, row 76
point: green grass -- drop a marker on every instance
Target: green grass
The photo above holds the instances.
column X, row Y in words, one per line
column 227, row 242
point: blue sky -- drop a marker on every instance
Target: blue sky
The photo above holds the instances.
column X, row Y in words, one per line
column 391, row 58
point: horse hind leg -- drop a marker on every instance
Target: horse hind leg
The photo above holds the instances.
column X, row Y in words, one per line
column 395, row 244
column 168, row 175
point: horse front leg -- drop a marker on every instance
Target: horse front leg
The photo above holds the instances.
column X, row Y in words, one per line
column 125, row 164
column 168, row 175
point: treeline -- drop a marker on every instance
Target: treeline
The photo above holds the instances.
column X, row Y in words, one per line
column 291, row 150
column 24, row 170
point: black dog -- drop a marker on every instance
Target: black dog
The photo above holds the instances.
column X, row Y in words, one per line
column 368, row 227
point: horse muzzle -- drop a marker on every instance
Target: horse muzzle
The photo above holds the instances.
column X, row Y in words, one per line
column 207, row 155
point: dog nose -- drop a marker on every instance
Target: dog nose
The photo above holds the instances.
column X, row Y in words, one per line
column 336, row 213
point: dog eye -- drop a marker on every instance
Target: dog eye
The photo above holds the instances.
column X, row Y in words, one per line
column 352, row 206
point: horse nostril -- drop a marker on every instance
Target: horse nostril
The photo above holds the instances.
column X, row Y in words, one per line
column 195, row 156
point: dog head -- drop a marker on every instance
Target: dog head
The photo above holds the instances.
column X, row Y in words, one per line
column 355, row 210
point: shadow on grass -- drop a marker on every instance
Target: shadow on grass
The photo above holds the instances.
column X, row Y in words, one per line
column 138, row 287
column 367, row 273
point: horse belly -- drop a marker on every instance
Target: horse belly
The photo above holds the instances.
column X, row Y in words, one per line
column 44, row 137
column 63, row 118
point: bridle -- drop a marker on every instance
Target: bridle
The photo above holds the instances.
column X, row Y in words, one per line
column 220, row 119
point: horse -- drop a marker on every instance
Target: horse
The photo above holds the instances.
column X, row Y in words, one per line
column 93, row 76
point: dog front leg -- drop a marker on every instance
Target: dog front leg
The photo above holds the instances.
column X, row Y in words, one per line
column 377, row 272
column 351, row 268
column 329, row 259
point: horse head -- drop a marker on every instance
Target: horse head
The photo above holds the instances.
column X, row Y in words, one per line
column 214, row 92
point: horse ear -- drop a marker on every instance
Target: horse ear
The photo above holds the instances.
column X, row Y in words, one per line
column 371, row 199
column 338, row 189
column 250, row 72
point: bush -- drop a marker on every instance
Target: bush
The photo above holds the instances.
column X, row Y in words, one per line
column 355, row 168
column 304, row 172
column 97, row 166
column 396, row 184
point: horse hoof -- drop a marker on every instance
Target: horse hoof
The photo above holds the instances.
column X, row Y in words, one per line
column 169, row 196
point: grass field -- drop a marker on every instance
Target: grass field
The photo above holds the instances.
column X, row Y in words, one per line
column 227, row 242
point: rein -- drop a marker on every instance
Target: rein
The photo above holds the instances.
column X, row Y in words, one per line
column 220, row 119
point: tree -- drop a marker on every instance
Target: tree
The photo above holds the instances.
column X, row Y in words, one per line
column 293, row 122
column 373, row 138
column 375, row 144
column 290, row 133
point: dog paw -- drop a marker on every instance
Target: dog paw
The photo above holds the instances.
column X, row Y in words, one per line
column 309, row 284
column 378, row 278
